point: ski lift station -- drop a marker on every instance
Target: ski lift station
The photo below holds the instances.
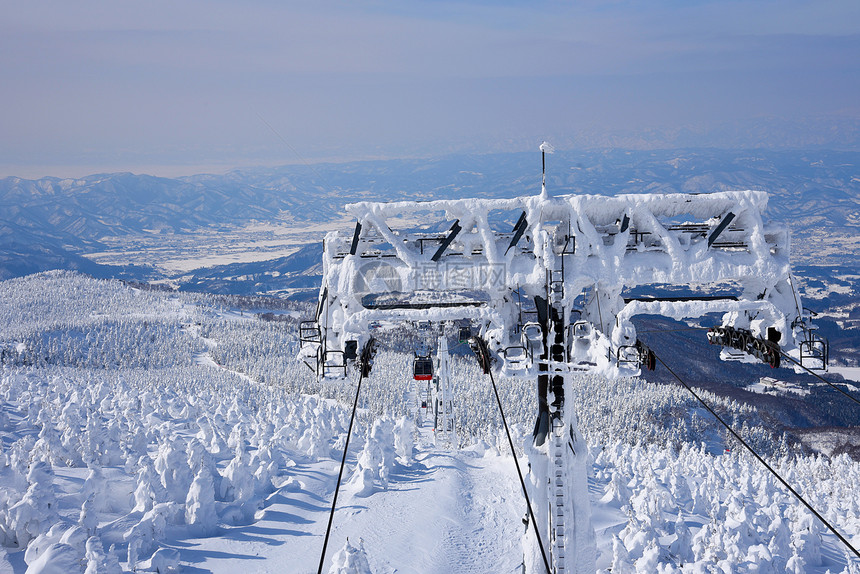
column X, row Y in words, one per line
column 546, row 287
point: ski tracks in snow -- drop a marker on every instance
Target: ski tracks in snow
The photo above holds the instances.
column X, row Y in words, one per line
column 488, row 537
column 448, row 512
column 457, row 511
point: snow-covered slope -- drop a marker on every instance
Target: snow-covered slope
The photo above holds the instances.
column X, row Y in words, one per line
column 159, row 431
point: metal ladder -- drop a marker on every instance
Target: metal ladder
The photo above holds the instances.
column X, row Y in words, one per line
column 558, row 499
column 558, row 372
column 559, row 369
column 556, row 276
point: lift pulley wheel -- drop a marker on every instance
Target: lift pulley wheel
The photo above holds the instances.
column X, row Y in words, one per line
column 743, row 340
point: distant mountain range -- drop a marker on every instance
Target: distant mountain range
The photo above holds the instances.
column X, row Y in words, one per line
column 136, row 222
column 51, row 222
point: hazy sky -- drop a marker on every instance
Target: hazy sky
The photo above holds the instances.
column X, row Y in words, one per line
column 169, row 87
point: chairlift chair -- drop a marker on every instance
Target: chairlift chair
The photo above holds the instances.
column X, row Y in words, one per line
column 580, row 329
column 814, row 352
column 309, row 332
column 465, row 333
column 638, row 354
column 533, row 331
column 532, row 339
column 516, row 359
column 813, row 348
column 333, row 364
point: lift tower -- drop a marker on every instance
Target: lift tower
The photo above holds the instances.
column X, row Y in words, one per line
column 542, row 280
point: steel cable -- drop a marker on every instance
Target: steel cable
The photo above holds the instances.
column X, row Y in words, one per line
column 340, row 473
column 516, row 462
column 760, row 459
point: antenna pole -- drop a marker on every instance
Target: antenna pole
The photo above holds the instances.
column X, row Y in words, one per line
column 543, row 172
column 544, row 148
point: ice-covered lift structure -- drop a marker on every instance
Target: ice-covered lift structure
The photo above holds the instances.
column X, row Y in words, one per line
column 551, row 284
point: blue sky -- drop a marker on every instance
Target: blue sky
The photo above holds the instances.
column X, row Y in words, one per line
column 179, row 87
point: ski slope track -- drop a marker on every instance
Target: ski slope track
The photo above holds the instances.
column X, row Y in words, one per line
column 446, row 512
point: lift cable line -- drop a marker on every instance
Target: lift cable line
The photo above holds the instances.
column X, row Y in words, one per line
column 760, row 459
column 817, row 376
column 480, row 349
column 366, row 356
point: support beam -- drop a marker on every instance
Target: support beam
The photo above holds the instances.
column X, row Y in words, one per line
column 720, row 228
column 519, row 229
column 322, row 302
column 354, row 247
column 682, row 298
column 455, row 229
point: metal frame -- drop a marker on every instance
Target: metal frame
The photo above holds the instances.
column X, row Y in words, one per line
column 559, row 250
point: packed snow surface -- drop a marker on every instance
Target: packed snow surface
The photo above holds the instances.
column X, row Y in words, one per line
column 162, row 432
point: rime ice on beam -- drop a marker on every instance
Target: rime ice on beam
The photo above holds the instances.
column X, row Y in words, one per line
column 560, row 273
column 596, row 246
